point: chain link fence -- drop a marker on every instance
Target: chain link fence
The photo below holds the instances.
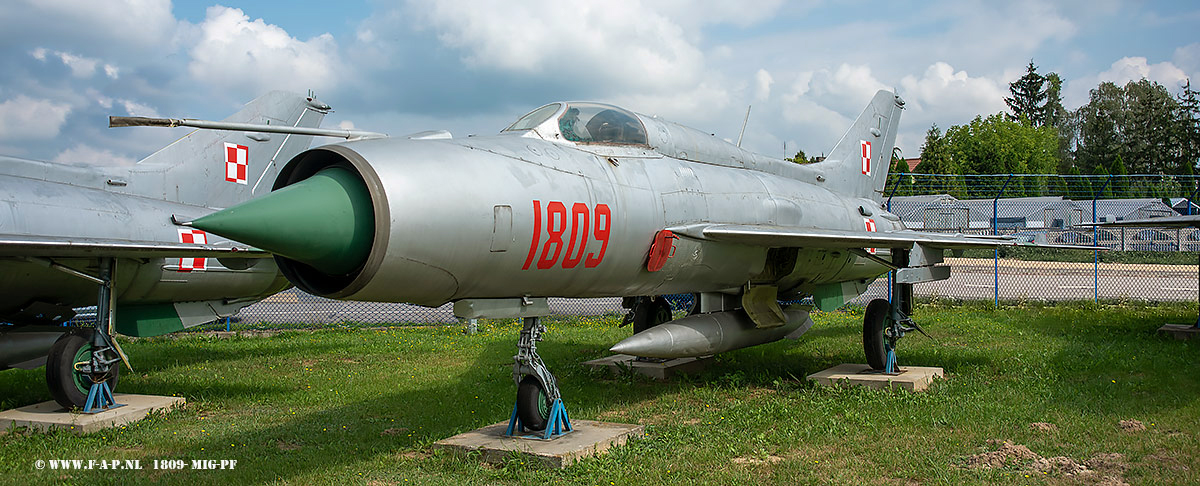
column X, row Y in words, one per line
column 1147, row 264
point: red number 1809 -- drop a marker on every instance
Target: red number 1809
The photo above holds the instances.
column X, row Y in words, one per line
column 575, row 227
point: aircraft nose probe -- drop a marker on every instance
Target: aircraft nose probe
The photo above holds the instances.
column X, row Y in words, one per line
column 326, row 222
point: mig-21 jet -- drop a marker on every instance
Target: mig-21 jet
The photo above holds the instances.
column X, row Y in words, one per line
column 582, row 199
column 73, row 236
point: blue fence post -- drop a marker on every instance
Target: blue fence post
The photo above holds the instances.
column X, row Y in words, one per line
column 996, row 252
column 1096, row 241
column 892, row 274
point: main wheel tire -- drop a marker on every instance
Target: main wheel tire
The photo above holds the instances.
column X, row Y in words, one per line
column 650, row 313
column 873, row 323
column 69, row 387
column 533, row 405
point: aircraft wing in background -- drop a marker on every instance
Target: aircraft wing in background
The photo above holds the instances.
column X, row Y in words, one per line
column 786, row 236
column 1183, row 221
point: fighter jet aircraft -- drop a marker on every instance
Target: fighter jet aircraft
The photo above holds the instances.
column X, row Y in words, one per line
column 74, row 236
column 591, row 200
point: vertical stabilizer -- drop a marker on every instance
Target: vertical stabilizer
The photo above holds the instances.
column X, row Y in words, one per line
column 858, row 165
column 221, row 168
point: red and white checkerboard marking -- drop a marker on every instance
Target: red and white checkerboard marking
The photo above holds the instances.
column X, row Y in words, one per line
column 870, row 227
column 188, row 235
column 866, row 157
column 236, row 162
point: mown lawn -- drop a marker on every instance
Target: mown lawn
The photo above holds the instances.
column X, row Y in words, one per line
column 355, row 405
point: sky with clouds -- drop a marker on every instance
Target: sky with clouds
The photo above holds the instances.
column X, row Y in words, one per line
column 473, row 66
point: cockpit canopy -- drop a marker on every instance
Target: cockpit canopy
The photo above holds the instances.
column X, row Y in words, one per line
column 584, row 123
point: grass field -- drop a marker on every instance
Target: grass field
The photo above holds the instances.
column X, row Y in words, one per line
column 361, row 406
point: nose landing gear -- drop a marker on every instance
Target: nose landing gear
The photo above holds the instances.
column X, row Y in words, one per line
column 539, row 406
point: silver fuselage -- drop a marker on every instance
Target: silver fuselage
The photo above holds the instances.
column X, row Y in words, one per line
column 504, row 216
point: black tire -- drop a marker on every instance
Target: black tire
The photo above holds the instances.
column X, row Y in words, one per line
column 650, row 313
column 873, row 323
column 69, row 387
column 533, row 405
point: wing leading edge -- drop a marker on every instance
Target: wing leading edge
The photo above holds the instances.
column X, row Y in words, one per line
column 49, row 246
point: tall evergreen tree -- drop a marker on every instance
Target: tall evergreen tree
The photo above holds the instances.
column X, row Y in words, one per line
column 1099, row 139
column 1153, row 135
column 1054, row 114
column 1189, row 116
column 1028, row 97
column 1142, row 123
column 935, row 155
column 937, row 159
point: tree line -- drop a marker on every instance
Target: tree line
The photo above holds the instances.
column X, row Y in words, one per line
column 1138, row 128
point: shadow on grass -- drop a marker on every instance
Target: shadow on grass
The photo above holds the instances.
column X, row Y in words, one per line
column 293, row 447
column 151, row 361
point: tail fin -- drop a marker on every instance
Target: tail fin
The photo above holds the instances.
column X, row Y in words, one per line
column 858, row 165
column 221, row 168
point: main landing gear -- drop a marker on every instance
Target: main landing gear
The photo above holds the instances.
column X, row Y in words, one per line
column 646, row 312
column 539, row 406
column 83, row 365
column 884, row 323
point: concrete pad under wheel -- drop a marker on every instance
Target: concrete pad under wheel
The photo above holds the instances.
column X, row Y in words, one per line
column 588, row 439
column 912, row 378
column 51, row 415
column 620, row 363
column 1182, row 332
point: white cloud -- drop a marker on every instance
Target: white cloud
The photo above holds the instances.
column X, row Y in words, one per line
column 25, row 117
column 86, row 154
column 1129, row 69
column 81, row 66
column 693, row 14
column 701, row 103
column 234, row 52
column 953, row 95
column 762, row 85
column 844, row 89
column 1188, row 58
column 821, row 104
column 134, row 108
column 614, row 45
column 128, row 27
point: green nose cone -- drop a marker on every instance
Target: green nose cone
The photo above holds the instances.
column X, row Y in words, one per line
column 325, row 221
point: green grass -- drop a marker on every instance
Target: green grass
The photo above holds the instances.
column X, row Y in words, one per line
column 362, row 406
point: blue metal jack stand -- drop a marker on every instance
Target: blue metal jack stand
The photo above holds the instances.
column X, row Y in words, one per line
column 557, row 425
column 890, row 367
column 100, row 399
column 898, row 322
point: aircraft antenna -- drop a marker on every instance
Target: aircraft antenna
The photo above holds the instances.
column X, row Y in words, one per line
column 744, row 122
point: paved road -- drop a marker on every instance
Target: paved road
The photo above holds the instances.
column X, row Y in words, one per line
column 970, row 279
column 975, row 279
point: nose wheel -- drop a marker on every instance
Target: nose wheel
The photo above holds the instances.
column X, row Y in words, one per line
column 539, row 407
